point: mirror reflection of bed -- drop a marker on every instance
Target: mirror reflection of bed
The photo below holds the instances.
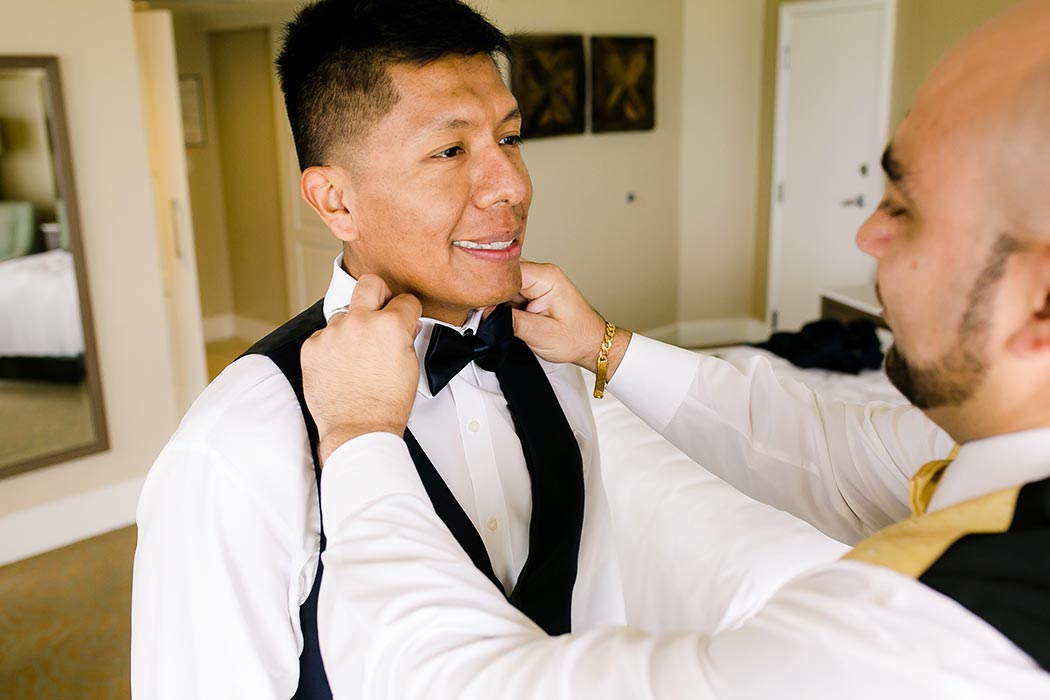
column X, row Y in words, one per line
column 50, row 409
column 44, row 403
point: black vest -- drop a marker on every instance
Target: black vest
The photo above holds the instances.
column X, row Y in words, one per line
column 1004, row 577
column 283, row 347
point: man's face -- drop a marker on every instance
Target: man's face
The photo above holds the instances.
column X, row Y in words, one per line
column 440, row 194
column 943, row 250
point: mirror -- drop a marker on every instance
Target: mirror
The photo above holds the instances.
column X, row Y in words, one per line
column 50, row 399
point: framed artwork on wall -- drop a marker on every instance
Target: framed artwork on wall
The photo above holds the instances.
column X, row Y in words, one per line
column 623, row 74
column 191, row 98
column 547, row 78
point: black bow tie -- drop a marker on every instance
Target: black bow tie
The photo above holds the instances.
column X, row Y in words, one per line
column 449, row 351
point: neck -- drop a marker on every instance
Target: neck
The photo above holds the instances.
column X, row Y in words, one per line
column 446, row 313
column 974, row 424
column 454, row 316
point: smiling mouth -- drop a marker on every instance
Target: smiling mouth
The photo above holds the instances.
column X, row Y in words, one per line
column 496, row 245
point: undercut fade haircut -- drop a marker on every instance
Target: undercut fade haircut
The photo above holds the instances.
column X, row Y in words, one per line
column 334, row 60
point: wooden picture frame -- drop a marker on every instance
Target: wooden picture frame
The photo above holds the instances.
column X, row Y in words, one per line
column 623, row 76
column 547, row 78
column 191, row 98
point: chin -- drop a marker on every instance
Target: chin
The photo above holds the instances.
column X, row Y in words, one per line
column 493, row 294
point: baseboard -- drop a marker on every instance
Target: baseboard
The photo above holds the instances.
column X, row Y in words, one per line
column 709, row 333
column 40, row 529
column 218, row 327
column 227, row 326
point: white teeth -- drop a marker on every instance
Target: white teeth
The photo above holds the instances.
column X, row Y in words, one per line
column 471, row 245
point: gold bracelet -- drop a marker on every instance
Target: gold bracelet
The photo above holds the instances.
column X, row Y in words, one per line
column 602, row 369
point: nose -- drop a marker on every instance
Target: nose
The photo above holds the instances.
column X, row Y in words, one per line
column 874, row 235
column 501, row 176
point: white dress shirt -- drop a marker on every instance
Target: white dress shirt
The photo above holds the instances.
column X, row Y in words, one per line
column 838, row 629
column 229, row 522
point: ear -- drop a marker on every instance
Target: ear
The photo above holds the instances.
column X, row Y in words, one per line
column 328, row 191
column 1033, row 338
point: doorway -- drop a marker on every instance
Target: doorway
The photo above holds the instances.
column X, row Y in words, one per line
column 832, row 112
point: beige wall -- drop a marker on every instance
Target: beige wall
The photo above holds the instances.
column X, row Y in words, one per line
column 624, row 256
column 96, row 51
column 719, row 147
column 242, row 74
column 926, row 29
column 204, row 167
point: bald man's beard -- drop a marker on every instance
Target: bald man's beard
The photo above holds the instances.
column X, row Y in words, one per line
column 953, row 378
column 949, row 381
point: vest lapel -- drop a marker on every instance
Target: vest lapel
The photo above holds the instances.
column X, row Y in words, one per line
column 545, row 584
column 449, row 510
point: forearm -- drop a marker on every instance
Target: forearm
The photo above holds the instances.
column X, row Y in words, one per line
column 405, row 615
column 695, row 552
column 403, row 611
column 839, row 466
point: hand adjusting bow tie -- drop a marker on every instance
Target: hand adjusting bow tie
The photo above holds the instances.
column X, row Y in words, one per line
column 449, row 351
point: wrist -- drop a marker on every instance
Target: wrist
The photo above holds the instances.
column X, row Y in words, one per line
column 333, row 439
column 611, row 350
column 618, row 350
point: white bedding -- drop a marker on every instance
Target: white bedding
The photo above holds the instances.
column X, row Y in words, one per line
column 39, row 307
column 868, row 386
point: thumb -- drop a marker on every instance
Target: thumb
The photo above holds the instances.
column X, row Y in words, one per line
column 524, row 323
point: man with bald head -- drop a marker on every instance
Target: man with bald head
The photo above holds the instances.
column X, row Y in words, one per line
column 947, row 592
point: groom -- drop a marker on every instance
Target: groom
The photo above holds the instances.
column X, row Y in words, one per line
column 409, row 146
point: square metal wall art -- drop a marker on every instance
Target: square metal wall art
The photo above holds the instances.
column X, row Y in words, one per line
column 547, row 78
column 623, row 71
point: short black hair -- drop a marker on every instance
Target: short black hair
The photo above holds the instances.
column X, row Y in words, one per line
column 335, row 55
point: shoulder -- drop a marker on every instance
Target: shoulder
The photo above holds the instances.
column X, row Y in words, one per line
column 248, row 395
column 244, row 438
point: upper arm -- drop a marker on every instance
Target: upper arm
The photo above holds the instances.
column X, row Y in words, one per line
column 227, row 546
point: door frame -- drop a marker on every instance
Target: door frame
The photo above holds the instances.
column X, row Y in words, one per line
column 159, row 78
column 788, row 13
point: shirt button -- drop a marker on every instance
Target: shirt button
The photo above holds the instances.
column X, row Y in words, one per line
column 493, row 524
column 473, row 426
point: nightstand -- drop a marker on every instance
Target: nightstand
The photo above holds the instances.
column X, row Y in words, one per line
column 851, row 303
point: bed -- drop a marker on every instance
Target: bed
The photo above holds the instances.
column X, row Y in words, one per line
column 41, row 334
column 868, row 386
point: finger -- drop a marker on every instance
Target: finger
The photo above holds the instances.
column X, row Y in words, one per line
column 338, row 313
column 528, row 325
column 537, row 279
column 407, row 309
column 370, row 294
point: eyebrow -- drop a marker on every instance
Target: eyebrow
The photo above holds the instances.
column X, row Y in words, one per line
column 446, row 124
column 892, row 167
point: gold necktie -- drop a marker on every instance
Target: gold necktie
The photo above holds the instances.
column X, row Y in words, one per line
column 925, row 481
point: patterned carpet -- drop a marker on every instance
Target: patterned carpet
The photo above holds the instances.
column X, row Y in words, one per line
column 65, row 622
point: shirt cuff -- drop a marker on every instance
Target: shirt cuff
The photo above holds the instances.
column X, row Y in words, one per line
column 653, row 379
column 363, row 470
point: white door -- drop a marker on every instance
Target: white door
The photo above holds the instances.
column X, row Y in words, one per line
column 833, row 91
column 160, row 89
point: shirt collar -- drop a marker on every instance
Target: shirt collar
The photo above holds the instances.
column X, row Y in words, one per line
column 341, row 289
column 993, row 464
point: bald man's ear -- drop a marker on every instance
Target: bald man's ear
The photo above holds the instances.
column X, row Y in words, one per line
column 327, row 189
column 1034, row 338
